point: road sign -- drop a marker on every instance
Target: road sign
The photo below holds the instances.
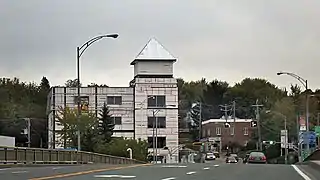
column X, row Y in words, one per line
column 306, row 137
column 302, row 123
column 317, row 130
column 284, row 138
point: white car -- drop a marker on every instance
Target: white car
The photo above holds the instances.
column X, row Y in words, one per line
column 210, row 156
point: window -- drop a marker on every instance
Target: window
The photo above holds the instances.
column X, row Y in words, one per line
column 156, row 101
column 161, row 122
column 117, row 120
column 218, row 130
column 232, row 131
column 161, row 142
column 114, row 100
column 246, row 131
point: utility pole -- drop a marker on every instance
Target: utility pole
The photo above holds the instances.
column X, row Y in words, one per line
column 257, row 106
column 225, row 110
column 234, row 120
column 153, row 137
column 29, row 131
column 318, row 124
column 200, row 121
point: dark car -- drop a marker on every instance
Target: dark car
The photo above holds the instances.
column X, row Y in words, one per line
column 257, row 157
column 231, row 159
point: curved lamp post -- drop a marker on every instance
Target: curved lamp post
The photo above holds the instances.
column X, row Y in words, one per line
column 80, row 51
column 304, row 82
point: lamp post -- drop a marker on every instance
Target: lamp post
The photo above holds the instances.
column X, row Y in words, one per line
column 80, row 51
column 304, row 82
column 155, row 126
column 286, row 138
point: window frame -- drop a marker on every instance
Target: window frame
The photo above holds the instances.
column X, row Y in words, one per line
column 114, row 118
column 246, row 131
column 114, row 100
column 218, row 131
column 156, row 101
column 151, row 119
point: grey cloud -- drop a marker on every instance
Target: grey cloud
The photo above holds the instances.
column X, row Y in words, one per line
column 233, row 38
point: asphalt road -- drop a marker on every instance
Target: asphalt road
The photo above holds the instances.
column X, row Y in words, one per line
column 206, row 171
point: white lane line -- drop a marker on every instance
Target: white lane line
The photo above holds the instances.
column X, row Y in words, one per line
column 302, row 174
column 57, row 168
column 19, row 172
column 170, row 178
column 4, row 169
column 190, row 173
column 217, row 165
column 172, row 166
column 206, row 168
column 113, row 176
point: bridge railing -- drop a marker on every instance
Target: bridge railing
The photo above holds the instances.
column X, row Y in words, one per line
column 22, row 155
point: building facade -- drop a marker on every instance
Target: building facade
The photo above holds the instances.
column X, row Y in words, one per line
column 222, row 136
column 152, row 96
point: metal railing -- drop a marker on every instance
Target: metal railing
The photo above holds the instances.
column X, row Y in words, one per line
column 22, row 155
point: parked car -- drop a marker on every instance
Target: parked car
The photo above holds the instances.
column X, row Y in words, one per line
column 216, row 153
column 257, row 157
column 210, row 156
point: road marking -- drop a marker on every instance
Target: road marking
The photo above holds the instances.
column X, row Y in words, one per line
column 172, row 166
column 302, row 174
column 113, row 176
column 170, row 178
column 87, row 172
column 19, row 172
column 190, row 173
column 217, row 165
column 206, row 168
column 57, row 168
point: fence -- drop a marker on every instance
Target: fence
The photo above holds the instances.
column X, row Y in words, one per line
column 21, row 155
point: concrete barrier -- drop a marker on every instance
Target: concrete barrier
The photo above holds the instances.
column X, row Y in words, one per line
column 22, row 155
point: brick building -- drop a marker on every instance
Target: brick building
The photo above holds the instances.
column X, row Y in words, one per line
column 216, row 132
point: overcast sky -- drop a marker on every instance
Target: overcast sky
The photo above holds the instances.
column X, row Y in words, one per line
column 224, row 39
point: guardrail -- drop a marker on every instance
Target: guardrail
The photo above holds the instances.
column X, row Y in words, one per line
column 22, row 155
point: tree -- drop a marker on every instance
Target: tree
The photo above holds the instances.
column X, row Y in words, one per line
column 119, row 146
column 213, row 96
column 106, row 124
column 72, row 83
column 87, row 125
column 248, row 91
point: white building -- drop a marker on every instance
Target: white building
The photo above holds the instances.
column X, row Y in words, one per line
column 153, row 91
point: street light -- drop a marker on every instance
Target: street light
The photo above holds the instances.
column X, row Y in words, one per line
column 304, row 82
column 155, row 127
column 285, row 128
column 80, row 51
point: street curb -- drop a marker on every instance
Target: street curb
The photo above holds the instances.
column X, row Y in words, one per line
column 311, row 164
column 314, row 165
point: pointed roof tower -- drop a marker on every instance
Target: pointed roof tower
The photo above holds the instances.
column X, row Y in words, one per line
column 154, row 51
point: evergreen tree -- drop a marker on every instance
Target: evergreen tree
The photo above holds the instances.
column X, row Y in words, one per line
column 106, row 124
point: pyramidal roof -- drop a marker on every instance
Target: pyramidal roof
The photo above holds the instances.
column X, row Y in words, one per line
column 154, row 50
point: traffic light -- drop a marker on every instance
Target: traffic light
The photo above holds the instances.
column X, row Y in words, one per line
column 227, row 125
column 269, row 142
column 254, row 123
